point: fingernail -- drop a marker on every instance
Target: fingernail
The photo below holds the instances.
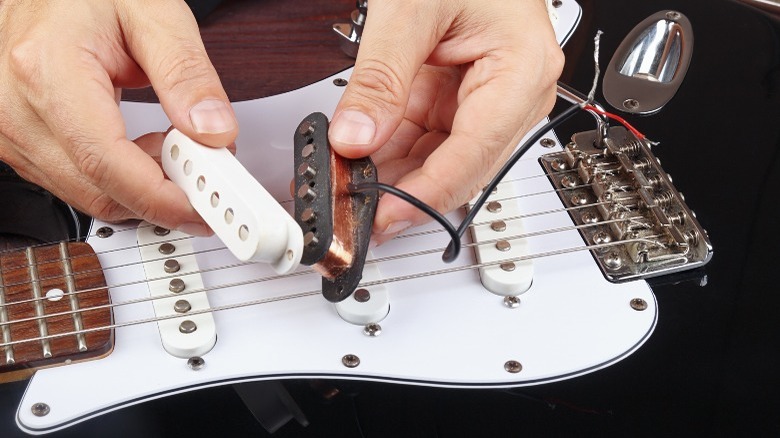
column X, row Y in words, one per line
column 195, row 229
column 396, row 227
column 352, row 127
column 372, row 244
column 212, row 117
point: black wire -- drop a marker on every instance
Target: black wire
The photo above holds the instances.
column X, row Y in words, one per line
column 549, row 126
column 453, row 248
column 430, row 211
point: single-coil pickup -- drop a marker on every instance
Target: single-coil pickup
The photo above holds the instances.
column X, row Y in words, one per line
column 313, row 203
column 498, row 225
column 336, row 223
column 248, row 220
column 174, row 281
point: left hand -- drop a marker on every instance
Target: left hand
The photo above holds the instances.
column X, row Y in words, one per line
column 441, row 93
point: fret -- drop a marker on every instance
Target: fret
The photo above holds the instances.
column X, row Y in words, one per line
column 33, row 287
column 9, row 350
column 35, row 282
column 70, row 284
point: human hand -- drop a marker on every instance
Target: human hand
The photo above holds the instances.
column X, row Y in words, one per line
column 441, row 93
column 63, row 64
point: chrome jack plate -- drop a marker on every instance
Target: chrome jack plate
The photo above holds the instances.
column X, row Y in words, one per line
column 649, row 65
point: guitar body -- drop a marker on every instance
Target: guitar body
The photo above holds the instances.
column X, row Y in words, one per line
column 447, row 330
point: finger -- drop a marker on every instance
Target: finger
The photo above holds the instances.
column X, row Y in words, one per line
column 167, row 45
column 25, row 137
column 79, row 109
column 376, row 97
column 490, row 121
column 54, row 171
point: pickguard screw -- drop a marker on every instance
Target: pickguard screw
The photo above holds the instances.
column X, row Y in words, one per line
column 160, row 231
column 547, row 142
column 373, row 330
column 508, row 266
column 631, row 104
column 195, row 363
column 557, row 3
column 511, row 301
column 104, row 232
column 350, row 360
column 340, row 82
column 40, row 409
column 513, row 366
column 638, row 304
column 362, row 295
column 673, row 15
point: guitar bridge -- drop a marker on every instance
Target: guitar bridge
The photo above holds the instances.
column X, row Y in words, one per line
column 626, row 208
column 336, row 223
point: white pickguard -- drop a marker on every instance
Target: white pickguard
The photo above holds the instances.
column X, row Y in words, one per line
column 442, row 330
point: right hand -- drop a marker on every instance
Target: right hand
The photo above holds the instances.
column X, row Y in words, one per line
column 63, row 64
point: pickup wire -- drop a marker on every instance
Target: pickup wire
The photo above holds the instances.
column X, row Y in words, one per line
column 453, row 248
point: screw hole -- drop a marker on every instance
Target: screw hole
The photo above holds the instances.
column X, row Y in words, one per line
column 187, row 167
column 214, row 199
column 229, row 216
column 175, row 152
column 201, row 183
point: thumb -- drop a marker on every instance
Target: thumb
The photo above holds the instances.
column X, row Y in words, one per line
column 375, row 100
column 166, row 43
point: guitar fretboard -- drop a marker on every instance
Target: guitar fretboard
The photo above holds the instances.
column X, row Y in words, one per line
column 52, row 298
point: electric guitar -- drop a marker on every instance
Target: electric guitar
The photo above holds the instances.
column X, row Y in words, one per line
column 444, row 327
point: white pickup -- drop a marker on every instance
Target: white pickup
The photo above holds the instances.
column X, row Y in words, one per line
column 248, row 220
column 174, row 279
column 500, row 226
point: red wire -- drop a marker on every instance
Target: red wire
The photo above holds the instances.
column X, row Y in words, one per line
column 621, row 120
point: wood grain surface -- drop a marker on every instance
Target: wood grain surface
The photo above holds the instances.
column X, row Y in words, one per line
column 265, row 47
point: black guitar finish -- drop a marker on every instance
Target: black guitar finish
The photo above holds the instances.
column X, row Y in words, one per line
column 710, row 369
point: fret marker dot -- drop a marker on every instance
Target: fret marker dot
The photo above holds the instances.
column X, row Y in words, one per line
column 55, row 294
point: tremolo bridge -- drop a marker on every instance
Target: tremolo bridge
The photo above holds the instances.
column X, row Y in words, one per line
column 625, row 207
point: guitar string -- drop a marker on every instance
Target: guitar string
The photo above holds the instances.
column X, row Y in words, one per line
column 285, row 201
column 277, row 277
column 119, row 249
column 428, row 232
column 444, row 271
column 234, row 265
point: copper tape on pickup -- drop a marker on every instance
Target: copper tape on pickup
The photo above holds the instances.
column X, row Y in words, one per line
column 340, row 255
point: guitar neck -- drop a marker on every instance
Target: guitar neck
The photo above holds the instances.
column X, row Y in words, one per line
column 42, row 293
